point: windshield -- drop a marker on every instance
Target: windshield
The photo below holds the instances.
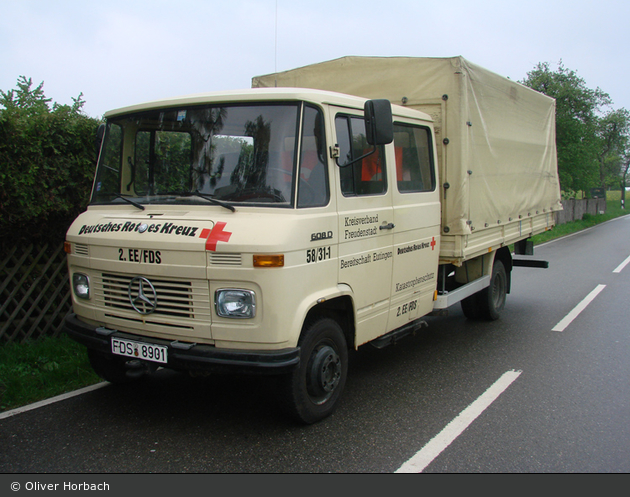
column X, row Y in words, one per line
column 231, row 154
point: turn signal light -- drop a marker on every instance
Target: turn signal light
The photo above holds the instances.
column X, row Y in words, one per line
column 67, row 247
column 268, row 260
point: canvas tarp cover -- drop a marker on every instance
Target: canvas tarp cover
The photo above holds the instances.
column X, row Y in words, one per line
column 500, row 160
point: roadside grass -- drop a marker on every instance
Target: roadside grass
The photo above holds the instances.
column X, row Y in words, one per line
column 613, row 210
column 40, row 369
column 47, row 367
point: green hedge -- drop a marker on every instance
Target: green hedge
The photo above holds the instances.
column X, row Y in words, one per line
column 47, row 160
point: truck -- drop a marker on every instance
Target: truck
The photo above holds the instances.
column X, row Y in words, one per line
column 277, row 229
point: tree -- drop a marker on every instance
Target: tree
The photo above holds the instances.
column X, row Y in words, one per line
column 624, row 162
column 47, row 159
column 577, row 124
column 613, row 132
column 625, row 165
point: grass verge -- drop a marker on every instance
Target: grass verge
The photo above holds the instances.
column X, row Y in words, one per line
column 613, row 210
column 40, row 369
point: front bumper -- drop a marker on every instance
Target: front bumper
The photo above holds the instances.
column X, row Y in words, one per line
column 188, row 356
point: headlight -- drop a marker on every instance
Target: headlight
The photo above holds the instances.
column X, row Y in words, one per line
column 81, row 285
column 234, row 303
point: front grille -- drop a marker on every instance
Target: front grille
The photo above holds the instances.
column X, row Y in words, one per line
column 175, row 298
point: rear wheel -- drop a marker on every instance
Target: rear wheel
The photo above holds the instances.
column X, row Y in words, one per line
column 470, row 306
column 493, row 297
column 314, row 388
column 489, row 302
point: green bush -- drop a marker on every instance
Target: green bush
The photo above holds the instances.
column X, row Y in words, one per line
column 47, row 160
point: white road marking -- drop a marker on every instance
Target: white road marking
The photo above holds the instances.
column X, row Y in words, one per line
column 568, row 319
column 622, row 265
column 451, row 431
column 52, row 400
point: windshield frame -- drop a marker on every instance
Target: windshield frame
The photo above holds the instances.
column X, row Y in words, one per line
column 120, row 145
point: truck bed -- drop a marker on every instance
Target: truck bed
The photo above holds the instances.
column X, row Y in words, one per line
column 454, row 249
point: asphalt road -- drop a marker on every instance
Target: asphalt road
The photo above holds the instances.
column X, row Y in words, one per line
column 567, row 409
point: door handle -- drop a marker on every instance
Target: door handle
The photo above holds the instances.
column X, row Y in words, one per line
column 388, row 226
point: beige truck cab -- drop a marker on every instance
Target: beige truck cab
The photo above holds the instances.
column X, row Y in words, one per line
column 266, row 230
column 272, row 230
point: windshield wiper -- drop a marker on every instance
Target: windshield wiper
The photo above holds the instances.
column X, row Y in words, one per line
column 135, row 204
column 212, row 199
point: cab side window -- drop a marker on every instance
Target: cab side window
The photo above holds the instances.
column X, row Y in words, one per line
column 414, row 164
column 366, row 176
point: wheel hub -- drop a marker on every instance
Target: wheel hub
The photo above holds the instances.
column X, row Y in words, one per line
column 325, row 371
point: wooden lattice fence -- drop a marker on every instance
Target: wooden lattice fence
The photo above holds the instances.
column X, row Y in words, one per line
column 34, row 293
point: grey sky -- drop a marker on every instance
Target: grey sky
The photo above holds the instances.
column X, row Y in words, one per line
column 124, row 52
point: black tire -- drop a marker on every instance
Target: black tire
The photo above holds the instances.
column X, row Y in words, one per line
column 109, row 367
column 313, row 390
column 471, row 307
column 489, row 302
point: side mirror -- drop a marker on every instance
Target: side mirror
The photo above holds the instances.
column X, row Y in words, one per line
column 379, row 129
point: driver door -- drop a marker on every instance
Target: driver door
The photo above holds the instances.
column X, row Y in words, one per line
column 365, row 220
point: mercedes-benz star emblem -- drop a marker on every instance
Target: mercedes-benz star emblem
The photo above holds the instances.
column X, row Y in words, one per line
column 145, row 300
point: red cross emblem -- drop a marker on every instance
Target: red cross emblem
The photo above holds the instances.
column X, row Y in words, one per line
column 216, row 235
column 433, row 243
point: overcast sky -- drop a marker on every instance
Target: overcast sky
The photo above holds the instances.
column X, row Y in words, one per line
column 122, row 52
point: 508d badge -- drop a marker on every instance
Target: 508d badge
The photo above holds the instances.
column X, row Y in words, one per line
column 324, row 235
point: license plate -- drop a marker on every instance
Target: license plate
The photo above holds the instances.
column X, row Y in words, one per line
column 138, row 350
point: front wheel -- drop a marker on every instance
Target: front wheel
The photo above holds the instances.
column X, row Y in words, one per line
column 314, row 388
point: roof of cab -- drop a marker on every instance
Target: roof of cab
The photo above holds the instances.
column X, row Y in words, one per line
column 263, row 94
